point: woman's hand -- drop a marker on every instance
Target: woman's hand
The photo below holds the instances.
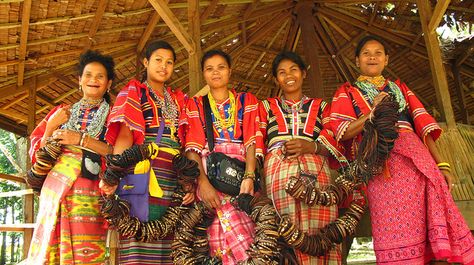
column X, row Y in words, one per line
column 297, row 147
column 448, row 177
column 247, row 186
column 64, row 136
column 209, row 194
column 188, row 198
column 106, row 188
column 59, row 117
column 379, row 98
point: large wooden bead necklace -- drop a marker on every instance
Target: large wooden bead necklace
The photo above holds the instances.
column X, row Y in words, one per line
column 327, row 237
column 191, row 246
column 380, row 133
column 46, row 158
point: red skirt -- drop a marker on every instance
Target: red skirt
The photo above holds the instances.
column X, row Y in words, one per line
column 413, row 215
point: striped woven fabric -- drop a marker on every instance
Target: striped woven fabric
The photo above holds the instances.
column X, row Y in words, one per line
column 70, row 228
column 137, row 110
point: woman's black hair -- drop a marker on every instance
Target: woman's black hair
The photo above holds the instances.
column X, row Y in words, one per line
column 287, row 55
column 91, row 56
column 368, row 38
column 152, row 47
column 158, row 44
column 213, row 53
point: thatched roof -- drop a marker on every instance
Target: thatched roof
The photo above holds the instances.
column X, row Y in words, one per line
column 39, row 46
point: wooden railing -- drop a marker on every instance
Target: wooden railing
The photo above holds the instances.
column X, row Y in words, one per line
column 28, row 212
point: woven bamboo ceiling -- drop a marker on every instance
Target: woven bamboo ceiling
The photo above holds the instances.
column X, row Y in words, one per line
column 40, row 41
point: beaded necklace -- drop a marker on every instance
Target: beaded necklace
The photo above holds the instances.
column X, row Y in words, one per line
column 371, row 88
column 97, row 122
column 220, row 122
column 90, row 103
column 289, row 109
column 166, row 103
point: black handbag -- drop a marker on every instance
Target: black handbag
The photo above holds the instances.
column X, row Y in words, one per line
column 224, row 173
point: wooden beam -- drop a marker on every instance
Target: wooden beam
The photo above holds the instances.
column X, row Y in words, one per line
column 304, row 14
column 373, row 14
column 16, row 193
column 13, row 90
column 209, row 9
column 269, row 45
column 32, row 106
column 438, row 14
column 25, row 25
column 15, row 179
column 89, row 41
column 292, row 37
column 331, row 46
column 195, row 54
column 12, row 126
column 155, row 18
column 173, row 23
column 336, row 27
column 436, row 64
column 259, row 33
column 460, row 93
column 235, row 78
column 17, row 228
column 465, row 54
column 374, row 29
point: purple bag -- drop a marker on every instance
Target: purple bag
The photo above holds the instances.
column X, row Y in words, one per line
column 134, row 188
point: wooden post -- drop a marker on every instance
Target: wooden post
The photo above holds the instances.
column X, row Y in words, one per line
column 460, row 93
column 25, row 24
column 28, row 206
column 194, row 28
column 436, row 64
column 304, row 15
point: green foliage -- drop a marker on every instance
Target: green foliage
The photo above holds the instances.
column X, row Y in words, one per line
column 11, row 207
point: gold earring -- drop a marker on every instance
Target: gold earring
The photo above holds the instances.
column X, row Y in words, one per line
column 80, row 87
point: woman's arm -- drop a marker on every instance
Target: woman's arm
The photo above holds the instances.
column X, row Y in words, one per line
column 247, row 185
column 430, row 143
column 123, row 142
column 206, row 190
column 68, row 137
column 356, row 127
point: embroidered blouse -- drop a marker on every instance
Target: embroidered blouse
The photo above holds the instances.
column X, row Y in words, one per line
column 243, row 130
column 350, row 102
column 310, row 121
column 86, row 115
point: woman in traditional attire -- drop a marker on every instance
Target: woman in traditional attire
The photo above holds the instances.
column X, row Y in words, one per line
column 70, row 229
column 235, row 126
column 296, row 139
column 139, row 111
column 414, row 218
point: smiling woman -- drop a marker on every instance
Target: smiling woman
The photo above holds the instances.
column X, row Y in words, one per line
column 69, row 183
column 149, row 112
column 297, row 143
column 413, row 215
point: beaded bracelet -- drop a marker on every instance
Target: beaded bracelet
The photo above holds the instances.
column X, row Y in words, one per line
column 249, row 175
